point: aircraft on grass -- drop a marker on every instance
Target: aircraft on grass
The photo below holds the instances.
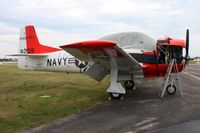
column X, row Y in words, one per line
column 124, row 56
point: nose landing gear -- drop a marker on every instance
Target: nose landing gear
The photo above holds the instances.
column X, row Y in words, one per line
column 171, row 89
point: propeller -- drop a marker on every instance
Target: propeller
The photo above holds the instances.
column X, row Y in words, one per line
column 187, row 45
column 187, row 57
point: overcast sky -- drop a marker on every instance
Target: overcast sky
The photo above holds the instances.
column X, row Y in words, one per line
column 59, row 22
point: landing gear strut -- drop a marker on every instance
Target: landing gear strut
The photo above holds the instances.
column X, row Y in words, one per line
column 115, row 89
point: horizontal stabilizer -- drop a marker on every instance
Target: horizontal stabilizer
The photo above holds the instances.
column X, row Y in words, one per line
column 29, row 55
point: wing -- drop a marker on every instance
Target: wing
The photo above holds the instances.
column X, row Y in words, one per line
column 101, row 52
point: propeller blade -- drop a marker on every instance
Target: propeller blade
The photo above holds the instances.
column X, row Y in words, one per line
column 187, row 57
column 187, row 44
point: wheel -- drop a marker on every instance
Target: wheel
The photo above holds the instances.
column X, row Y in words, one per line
column 129, row 84
column 116, row 95
column 171, row 89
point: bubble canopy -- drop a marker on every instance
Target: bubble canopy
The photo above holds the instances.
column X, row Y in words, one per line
column 132, row 40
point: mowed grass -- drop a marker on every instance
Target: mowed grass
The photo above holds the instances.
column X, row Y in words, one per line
column 32, row 98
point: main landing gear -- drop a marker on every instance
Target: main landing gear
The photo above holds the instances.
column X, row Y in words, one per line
column 116, row 96
column 116, row 90
column 128, row 85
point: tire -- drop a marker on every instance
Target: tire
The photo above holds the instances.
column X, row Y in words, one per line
column 116, row 95
column 129, row 84
column 171, row 89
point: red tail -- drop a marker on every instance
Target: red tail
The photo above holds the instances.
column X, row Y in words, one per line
column 33, row 45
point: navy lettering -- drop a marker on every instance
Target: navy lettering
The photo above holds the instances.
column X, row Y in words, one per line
column 59, row 61
column 49, row 61
column 65, row 61
column 54, row 62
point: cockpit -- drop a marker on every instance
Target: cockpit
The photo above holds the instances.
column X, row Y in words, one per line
column 132, row 40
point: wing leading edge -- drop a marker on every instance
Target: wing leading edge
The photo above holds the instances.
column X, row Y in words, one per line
column 101, row 52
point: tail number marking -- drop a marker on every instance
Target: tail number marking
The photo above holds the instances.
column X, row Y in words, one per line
column 27, row 51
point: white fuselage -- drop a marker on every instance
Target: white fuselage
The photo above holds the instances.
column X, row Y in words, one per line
column 55, row 61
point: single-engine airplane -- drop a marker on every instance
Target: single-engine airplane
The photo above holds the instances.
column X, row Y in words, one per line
column 125, row 56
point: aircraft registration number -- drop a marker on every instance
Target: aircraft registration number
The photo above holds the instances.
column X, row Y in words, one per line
column 27, row 50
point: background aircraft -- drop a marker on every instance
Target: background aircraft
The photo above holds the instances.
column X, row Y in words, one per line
column 125, row 56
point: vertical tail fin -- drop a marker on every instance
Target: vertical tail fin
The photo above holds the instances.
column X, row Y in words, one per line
column 29, row 43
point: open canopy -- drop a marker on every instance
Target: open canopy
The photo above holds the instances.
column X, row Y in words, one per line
column 135, row 40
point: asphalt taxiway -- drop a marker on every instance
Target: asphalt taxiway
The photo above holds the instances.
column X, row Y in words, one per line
column 142, row 110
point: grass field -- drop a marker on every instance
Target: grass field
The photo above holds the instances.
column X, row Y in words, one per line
column 30, row 98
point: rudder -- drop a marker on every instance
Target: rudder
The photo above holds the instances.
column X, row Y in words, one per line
column 29, row 43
